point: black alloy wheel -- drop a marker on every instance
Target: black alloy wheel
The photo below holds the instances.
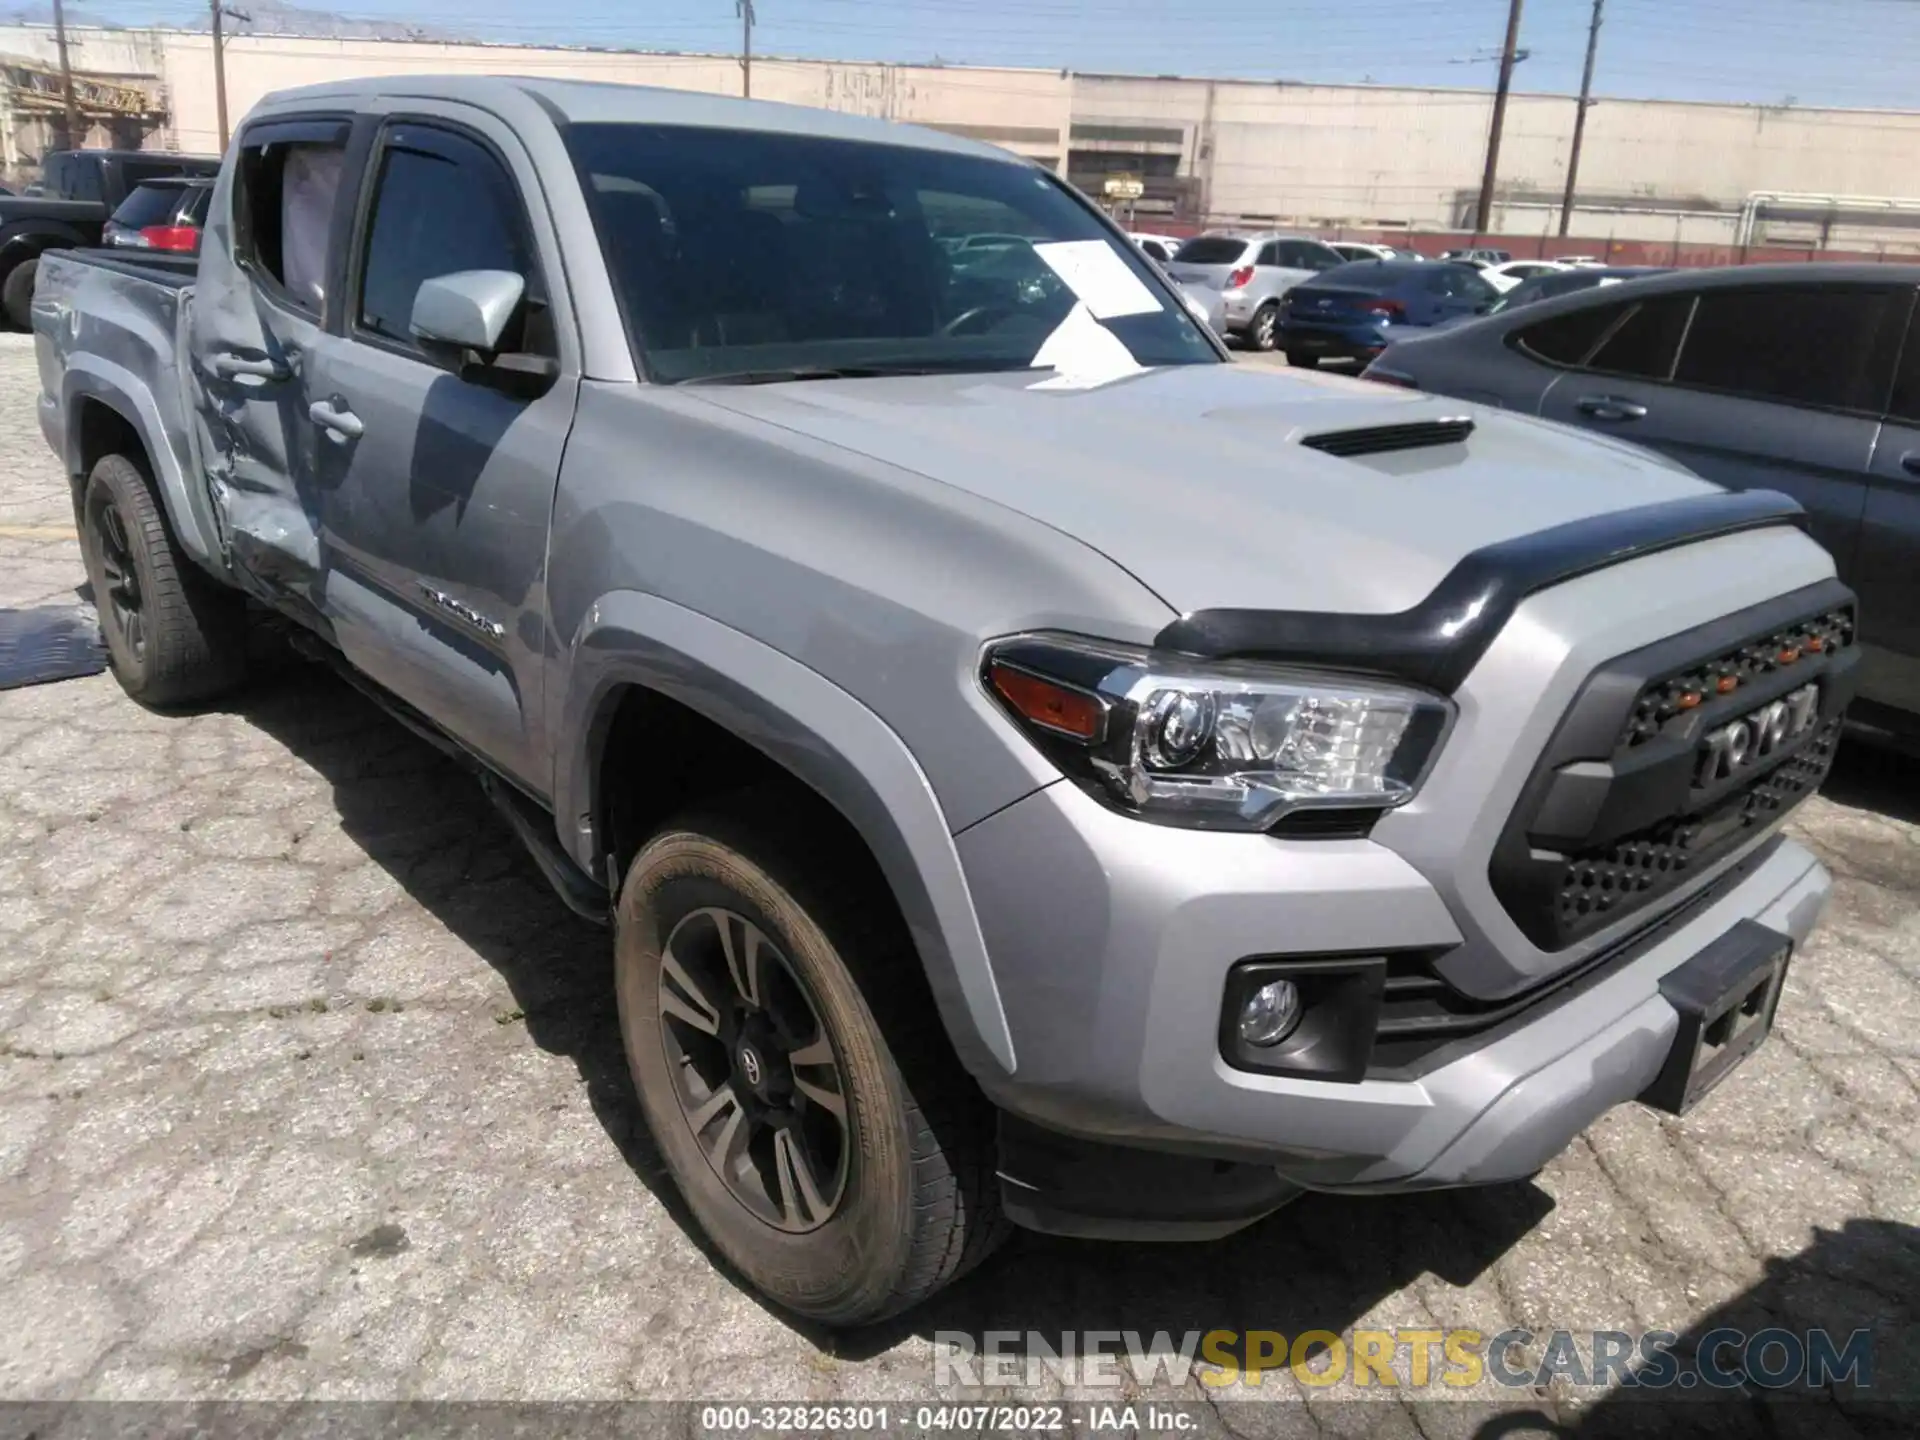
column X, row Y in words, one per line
column 754, row 1071
column 123, row 605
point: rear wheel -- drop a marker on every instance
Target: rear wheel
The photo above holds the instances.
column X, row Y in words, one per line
column 842, row 1164
column 1303, row 360
column 1260, row 329
column 16, row 294
column 173, row 635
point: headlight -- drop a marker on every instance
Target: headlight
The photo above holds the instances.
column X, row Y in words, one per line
column 1224, row 745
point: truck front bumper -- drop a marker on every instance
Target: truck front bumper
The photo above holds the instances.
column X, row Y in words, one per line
column 1114, row 984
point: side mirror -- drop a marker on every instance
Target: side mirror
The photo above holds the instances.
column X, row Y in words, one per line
column 459, row 318
column 467, row 310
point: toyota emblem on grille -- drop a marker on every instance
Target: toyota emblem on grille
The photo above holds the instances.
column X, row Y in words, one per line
column 1745, row 742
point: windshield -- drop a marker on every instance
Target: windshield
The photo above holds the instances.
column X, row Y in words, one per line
column 744, row 253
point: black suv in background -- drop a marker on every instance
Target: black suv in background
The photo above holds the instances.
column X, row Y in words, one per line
column 1802, row 378
column 79, row 190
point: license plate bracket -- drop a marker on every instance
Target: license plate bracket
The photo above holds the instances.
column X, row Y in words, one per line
column 1725, row 997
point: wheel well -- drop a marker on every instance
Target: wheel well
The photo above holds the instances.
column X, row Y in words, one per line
column 658, row 757
column 105, row 431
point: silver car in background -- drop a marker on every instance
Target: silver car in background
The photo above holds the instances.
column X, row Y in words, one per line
column 1250, row 270
column 1205, row 303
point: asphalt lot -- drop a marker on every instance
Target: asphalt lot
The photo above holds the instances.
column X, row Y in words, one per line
column 309, row 1089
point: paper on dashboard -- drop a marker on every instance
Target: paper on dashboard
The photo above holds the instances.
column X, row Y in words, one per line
column 1082, row 353
column 1094, row 271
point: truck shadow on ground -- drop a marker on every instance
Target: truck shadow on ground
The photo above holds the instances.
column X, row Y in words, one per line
column 1876, row 777
column 1322, row 1262
column 1865, row 1275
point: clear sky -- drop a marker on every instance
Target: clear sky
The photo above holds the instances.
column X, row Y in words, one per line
column 1817, row 52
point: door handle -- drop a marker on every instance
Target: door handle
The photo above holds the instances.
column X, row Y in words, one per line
column 1910, row 462
column 334, row 417
column 1609, row 407
column 229, row 366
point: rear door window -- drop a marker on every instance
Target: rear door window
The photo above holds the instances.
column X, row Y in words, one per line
column 1904, row 406
column 287, row 183
column 1645, row 343
column 1212, row 250
column 1568, row 339
column 80, row 179
column 1830, row 346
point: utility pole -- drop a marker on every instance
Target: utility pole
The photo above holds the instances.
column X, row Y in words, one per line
column 66, row 76
column 1483, row 216
column 744, row 8
column 219, row 77
column 1580, row 118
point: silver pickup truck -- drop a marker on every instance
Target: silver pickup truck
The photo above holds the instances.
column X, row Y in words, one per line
column 1033, row 768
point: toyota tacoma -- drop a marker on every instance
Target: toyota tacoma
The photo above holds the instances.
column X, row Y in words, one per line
column 1033, row 769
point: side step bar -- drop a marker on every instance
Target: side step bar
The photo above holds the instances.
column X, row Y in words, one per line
column 533, row 825
column 583, row 895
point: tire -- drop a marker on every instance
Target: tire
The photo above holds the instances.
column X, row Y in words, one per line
column 1260, row 329
column 173, row 635
column 16, row 294
column 1303, row 360
column 902, row 1197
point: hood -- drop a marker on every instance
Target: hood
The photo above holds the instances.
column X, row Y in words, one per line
column 1192, row 477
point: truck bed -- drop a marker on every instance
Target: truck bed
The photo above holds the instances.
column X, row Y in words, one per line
column 108, row 328
column 165, row 268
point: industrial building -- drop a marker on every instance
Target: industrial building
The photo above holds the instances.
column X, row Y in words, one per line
column 1360, row 159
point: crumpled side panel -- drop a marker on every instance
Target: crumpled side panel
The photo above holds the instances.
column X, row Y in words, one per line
column 253, row 436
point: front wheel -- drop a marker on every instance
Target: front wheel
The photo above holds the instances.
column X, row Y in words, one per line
column 845, row 1167
column 173, row 635
column 1260, row 331
column 1303, row 360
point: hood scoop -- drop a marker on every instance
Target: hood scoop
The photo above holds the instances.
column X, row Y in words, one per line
column 1380, row 439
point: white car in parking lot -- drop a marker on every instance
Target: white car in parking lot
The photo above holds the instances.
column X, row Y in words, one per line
column 1157, row 248
column 1367, row 250
column 1504, row 277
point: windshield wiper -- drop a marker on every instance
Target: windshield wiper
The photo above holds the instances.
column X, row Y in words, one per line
column 850, row 372
column 796, row 372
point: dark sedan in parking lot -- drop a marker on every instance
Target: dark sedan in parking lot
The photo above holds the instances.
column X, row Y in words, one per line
column 1801, row 378
column 1353, row 312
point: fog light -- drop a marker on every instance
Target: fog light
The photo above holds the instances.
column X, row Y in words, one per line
column 1270, row 1013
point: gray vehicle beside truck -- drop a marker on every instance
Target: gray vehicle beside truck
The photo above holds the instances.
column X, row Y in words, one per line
column 1032, row 768
column 1799, row 378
